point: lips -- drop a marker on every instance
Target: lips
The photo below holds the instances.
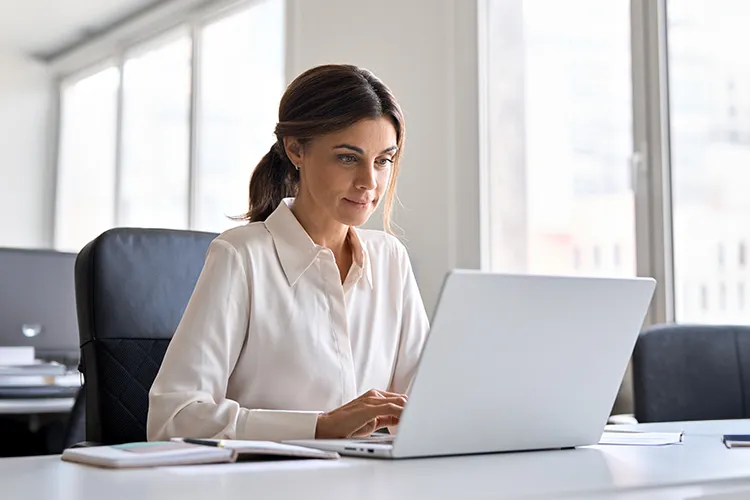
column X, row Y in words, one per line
column 359, row 202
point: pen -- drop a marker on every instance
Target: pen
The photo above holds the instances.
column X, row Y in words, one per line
column 204, row 442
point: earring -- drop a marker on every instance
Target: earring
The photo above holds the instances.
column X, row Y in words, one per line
column 296, row 166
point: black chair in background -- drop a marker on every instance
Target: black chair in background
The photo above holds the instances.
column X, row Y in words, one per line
column 132, row 286
column 692, row 372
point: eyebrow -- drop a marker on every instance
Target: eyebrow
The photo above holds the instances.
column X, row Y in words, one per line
column 362, row 151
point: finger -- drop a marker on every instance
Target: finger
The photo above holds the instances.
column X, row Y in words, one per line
column 395, row 397
column 382, row 394
column 387, row 394
column 370, row 412
column 370, row 395
column 373, row 396
column 375, row 424
column 386, row 422
column 374, row 393
column 399, row 400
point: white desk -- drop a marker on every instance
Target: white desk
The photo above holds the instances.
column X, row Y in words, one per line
column 701, row 465
column 35, row 406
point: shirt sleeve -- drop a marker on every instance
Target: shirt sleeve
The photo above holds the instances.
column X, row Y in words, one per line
column 414, row 327
column 188, row 396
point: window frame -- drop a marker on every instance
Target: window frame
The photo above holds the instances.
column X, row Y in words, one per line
column 652, row 172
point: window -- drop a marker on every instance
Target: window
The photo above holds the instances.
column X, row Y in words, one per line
column 570, row 89
column 86, row 165
column 741, row 296
column 558, row 135
column 156, row 135
column 741, row 254
column 617, row 256
column 576, row 258
column 161, row 139
column 597, row 257
column 242, row 80
column 710, row 157
column 687, row 296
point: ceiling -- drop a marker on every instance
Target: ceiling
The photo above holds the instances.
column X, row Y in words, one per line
column 42, row 28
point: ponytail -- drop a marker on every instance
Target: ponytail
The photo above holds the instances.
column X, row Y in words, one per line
column 274, row 179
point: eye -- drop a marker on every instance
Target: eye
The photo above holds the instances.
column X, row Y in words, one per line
column 385, row 162
column 347, row 159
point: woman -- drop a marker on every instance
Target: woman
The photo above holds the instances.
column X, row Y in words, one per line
column 301, row 326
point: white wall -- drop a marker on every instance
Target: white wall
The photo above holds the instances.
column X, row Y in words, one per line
column 26, row 179
column 426, row 51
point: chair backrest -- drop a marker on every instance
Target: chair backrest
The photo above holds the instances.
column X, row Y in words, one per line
column 132, row 287
column 692, row 372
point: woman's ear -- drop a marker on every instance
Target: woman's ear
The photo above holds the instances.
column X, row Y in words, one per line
column 294, row 150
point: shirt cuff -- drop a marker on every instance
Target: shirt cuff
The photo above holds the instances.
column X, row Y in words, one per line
column 278, row 425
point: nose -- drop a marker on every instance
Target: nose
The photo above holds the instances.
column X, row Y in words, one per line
column 366, row 178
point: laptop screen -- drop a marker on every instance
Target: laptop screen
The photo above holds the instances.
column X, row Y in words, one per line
column 37, row 302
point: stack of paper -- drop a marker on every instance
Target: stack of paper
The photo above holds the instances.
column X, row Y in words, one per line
column 14, row 356
column 35, row 374
column 21, row 375
column 639, row 438
column 37, row 368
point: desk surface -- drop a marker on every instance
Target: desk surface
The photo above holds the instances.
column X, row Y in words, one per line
column 701, row 465
column 35, row 406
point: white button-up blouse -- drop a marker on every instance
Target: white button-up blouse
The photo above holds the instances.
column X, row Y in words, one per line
column 271, row 337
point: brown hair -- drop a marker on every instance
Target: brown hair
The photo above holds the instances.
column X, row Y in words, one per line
column 320, row 101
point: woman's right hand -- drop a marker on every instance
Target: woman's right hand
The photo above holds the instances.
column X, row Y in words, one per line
column 361, row 417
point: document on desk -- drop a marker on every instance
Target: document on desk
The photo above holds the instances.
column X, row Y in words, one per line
column 636, row 438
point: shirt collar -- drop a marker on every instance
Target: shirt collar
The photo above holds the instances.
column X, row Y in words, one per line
column 297, row 251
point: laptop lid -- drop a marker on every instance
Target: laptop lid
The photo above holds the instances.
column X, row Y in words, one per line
column 521, row 362
column 37, row 302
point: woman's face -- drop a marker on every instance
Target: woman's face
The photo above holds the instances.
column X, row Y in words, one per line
column 343, row 175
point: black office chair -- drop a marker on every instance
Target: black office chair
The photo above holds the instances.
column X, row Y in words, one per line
column 132, row 286
column 692, row 372
column 75, row 427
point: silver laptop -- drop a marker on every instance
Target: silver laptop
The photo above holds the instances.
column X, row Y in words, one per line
column 515, row 362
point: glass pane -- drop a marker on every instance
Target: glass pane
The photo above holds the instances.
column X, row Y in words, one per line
column 560, row 137
column 709, row 91
column 86, row 161
column 156, row 136
column 242, row 80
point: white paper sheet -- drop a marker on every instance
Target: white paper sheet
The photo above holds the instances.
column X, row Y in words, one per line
column 624, row 438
